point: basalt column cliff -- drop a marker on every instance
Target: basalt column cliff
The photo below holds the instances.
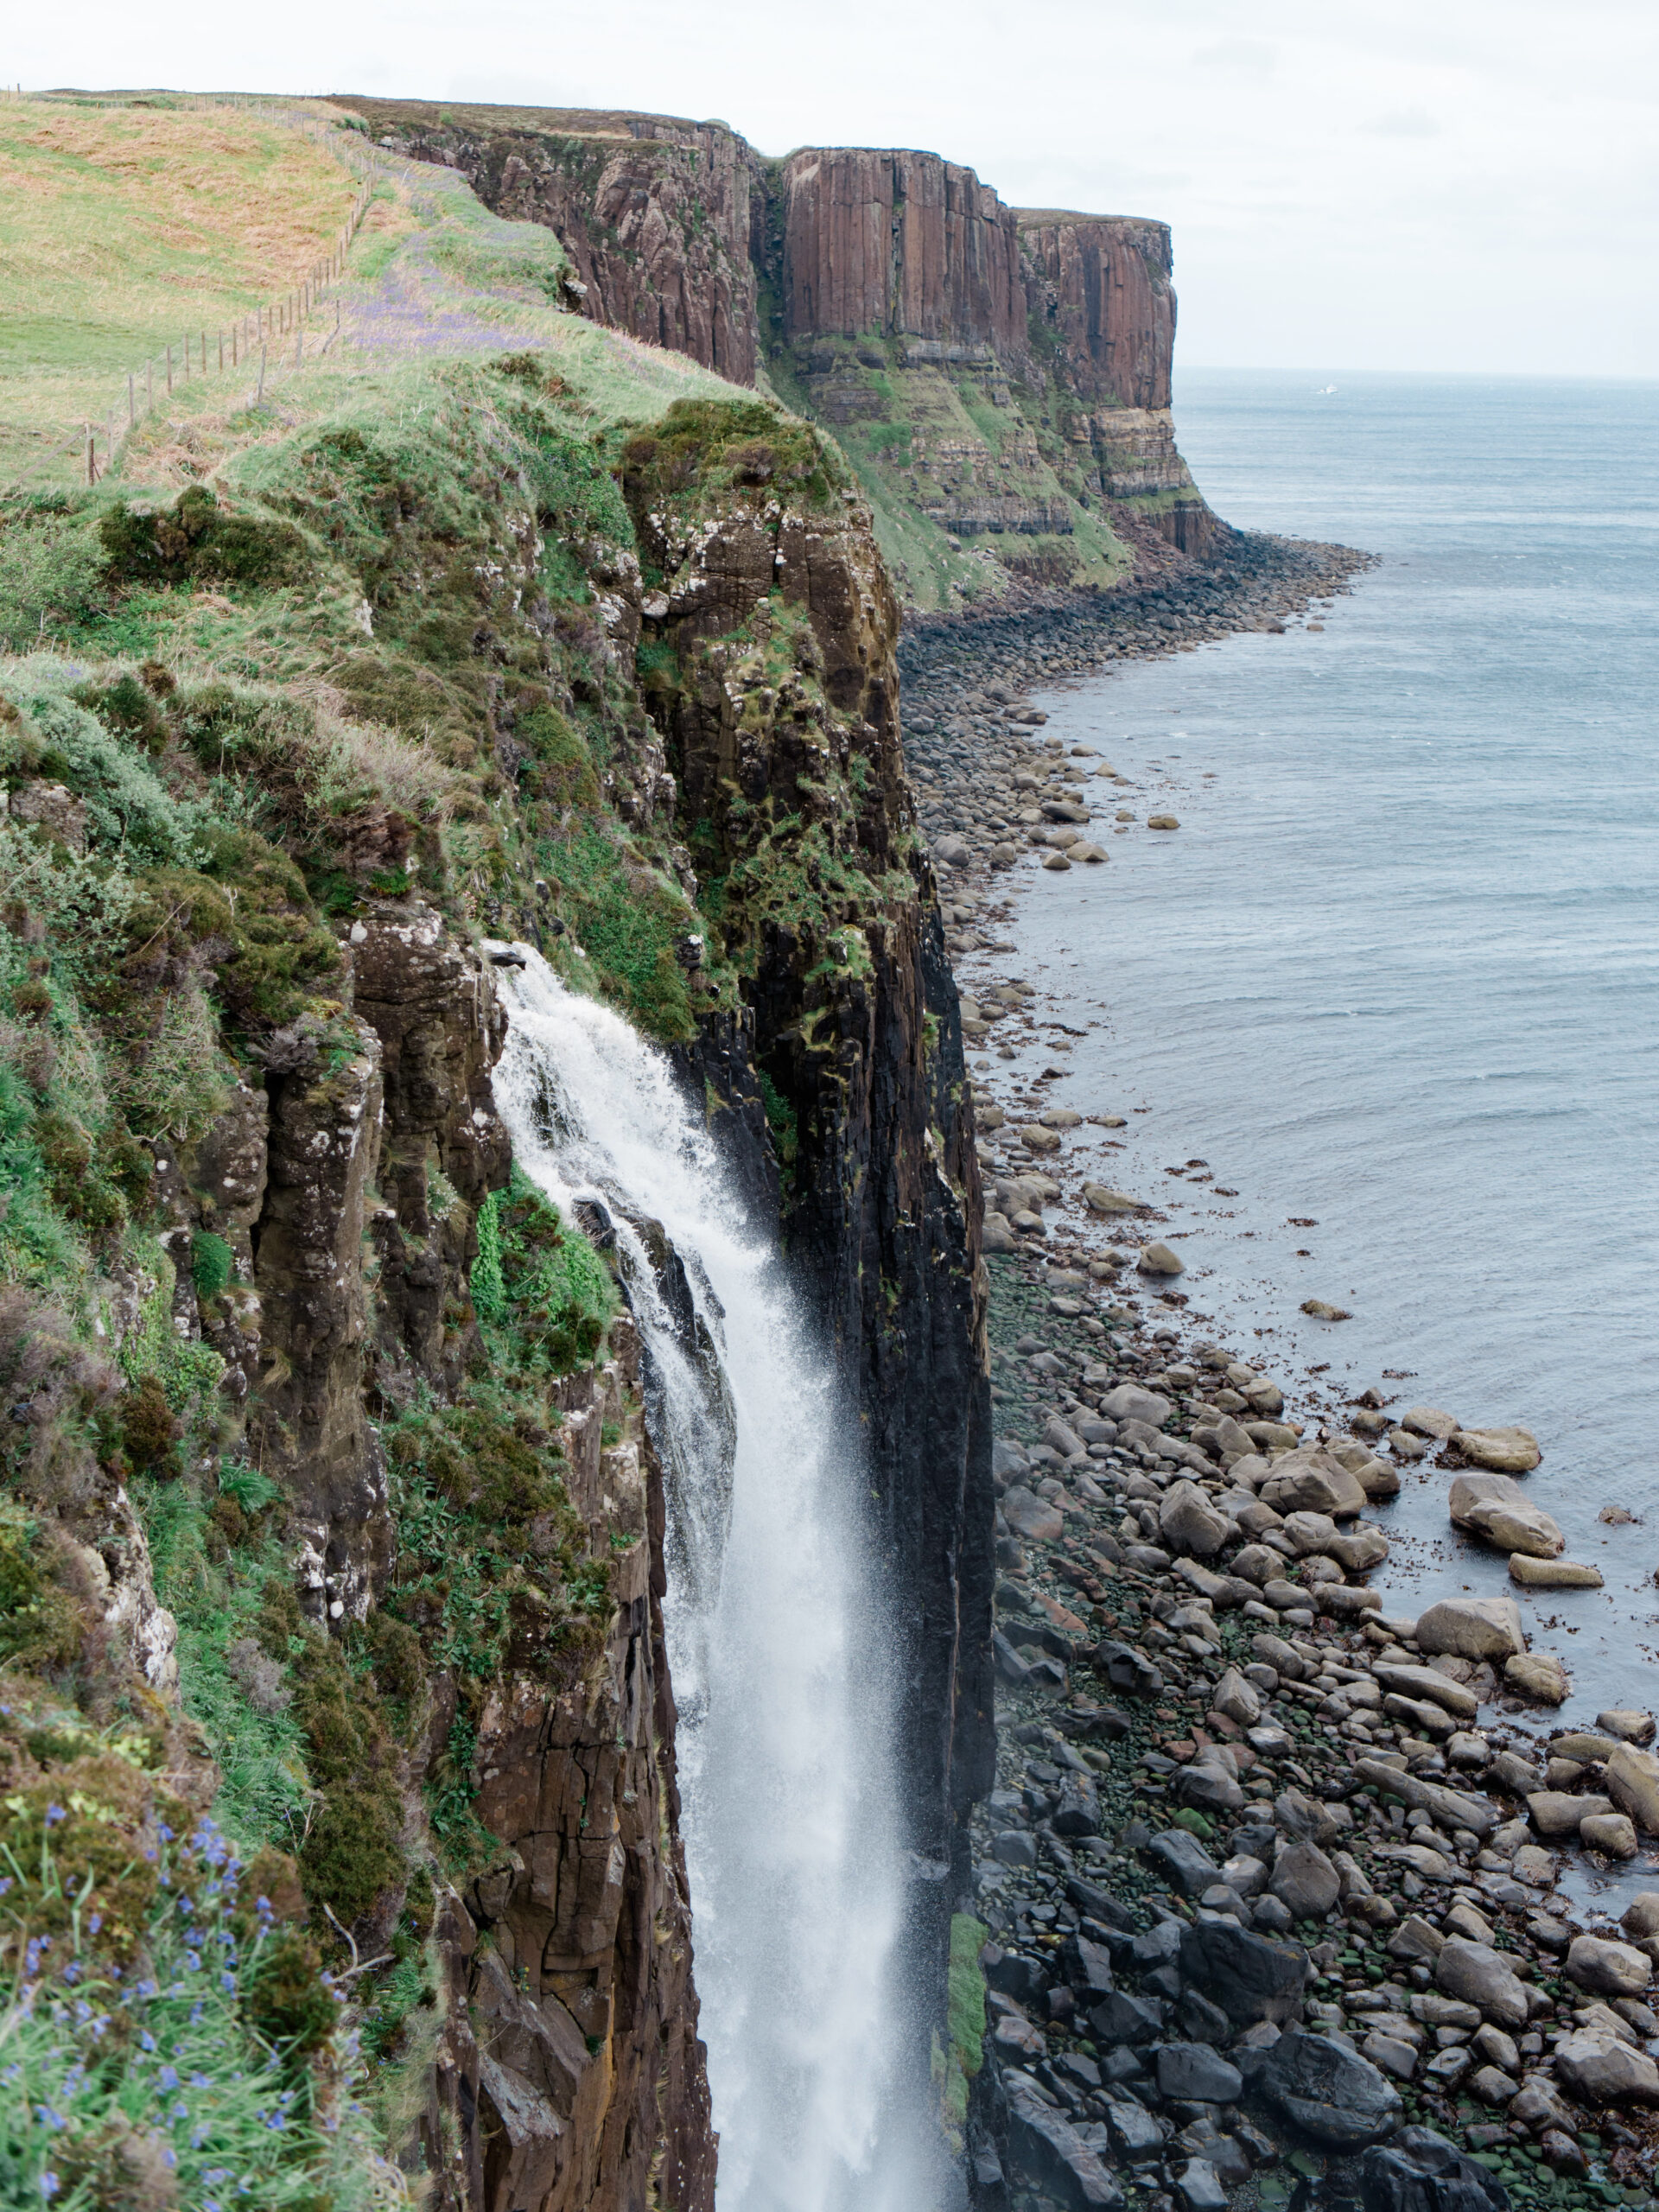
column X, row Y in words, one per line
column 998, row 377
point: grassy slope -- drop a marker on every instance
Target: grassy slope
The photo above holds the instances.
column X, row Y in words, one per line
column 126, row 228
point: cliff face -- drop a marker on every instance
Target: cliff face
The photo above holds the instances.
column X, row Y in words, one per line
column 897, row 242
column 995, row 375
column 653, row 211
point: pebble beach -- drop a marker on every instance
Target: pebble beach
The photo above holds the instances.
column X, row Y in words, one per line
column 1282, row 1893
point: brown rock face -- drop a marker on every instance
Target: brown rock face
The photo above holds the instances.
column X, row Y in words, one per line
column 654, row 210
column 1103, row 283
column 569, row 2070
column 894, row 241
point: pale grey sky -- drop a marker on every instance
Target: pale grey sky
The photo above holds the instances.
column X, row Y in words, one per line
column 1384, row 184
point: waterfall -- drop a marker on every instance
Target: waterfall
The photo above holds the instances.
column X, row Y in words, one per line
column 779, row 1660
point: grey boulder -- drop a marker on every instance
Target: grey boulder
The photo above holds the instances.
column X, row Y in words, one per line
column 1046, row 2148
column 1421, row 2171
column 1330, row 2092
column 1249, row 1978
column 1194, row 2073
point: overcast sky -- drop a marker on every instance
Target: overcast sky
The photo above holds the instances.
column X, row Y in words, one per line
column 1386, row 184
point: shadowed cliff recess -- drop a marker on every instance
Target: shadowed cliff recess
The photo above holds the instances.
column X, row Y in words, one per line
column 998, row 377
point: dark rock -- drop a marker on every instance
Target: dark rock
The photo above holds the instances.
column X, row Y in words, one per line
column 1087, row 1966
column 1128, row 1671
column 1111, row 1911
column 1135, row 2130
column 1183, row 1859
column 1194, row 2071
column 1331, row 2093
column 1044, row 2149
column 1159, row 1946
column 1078, row 1810
column 1248, row 1977
column 1203, row 2022
column 1199, row 2187
column 1421, row 2171
column 1012, row 1975
column 1121, row 2019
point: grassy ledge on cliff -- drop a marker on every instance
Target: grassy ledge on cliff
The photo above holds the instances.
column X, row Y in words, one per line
column 328, row 1503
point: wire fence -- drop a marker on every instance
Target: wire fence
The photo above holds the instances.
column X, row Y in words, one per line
column 271, row 335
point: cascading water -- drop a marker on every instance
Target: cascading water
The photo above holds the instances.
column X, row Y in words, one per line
column 780, row 1661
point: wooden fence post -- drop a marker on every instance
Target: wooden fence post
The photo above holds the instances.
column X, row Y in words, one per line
column 92, row 456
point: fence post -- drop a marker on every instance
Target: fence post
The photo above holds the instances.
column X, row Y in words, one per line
column 92, row 456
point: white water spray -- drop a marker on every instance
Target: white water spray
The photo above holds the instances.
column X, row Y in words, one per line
column 778, row 1658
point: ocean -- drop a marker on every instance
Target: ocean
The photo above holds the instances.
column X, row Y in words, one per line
column 1393, row 982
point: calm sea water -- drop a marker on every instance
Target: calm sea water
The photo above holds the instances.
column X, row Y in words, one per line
column 1396, row 974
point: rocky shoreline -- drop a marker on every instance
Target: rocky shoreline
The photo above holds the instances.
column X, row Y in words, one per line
column 1270, row 1886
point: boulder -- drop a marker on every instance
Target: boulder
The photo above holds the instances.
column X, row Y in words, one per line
column 1251, row 1979
column 1535, row 1573
column 1128, row 1402
column 1506, row 1451
column 1190, row 1523
column 1510, row 1528
column 1160, row 1259
column 1483, row 1977
column 1184, row 1861
column 1469, row 1491
column 1633, row 1785
column 1032, row 1516
column 1537, row 1674
column 1305, row 1881
column 1558, row 1812
column 1421, row 2171
column 1126, row 1668
column 1612, row 1834
column 1192, row 2071
column 1045, row 2150
column 1078, row 1810
column 1197, row 2182
column 1448, row 1809
column 1237, row 1700
column 1100, row 1198
column 1641, row 1916
column 1430, row 1421
column 1312, row 1481
column 1472, row 1628
column 1607, row 1968
column 1627, row 1726
column 1597, row 2064
column 997, row 1234
column 1330, row 2092
column 1424, row 1681
column 1358, row 1549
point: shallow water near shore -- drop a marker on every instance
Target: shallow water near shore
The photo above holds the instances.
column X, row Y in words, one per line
column 1393, row 982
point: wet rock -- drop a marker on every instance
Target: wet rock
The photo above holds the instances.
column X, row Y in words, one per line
column 1558, row 1812
column 1512, row 1527
column 1196, row 2073
column 1539, row 1675
column 1601, row 2066
column 1426, row 1682
column 1331, row 2093
column 1078, row 1810
column 1045, row 2150
column 1313, row 1483
column 1190, row 1523
column 1506, row 1451
column 1633, row 1785
column 1128, row 1402
column 1237, row 1700
column 1608, row 1969
column 1122, row 2019
column 1249, row 1978
column 1305, row 1881
column 1128, row 1669
column 1421, row 2171
column 1451, row 1809
column 1197, row 2184
column 1535, row 1573
column 1472, row 1628
column 1032, row 1516
column 1429, row 1422
column 1483, row 1977
column 1184, row 1860
column 1627, row 1727
column 1160, row 1259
